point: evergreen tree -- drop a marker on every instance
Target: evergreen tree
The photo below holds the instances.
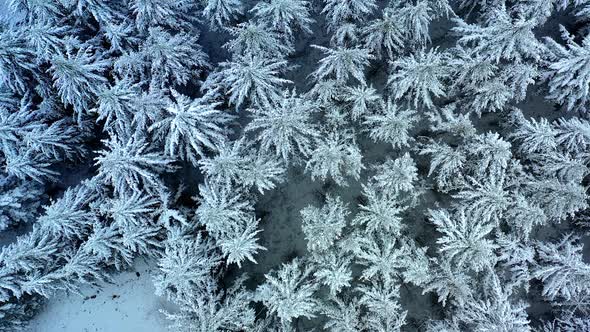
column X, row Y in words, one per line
column 252, row 38
column 285, row 128
column 561, row 268
column 77, row 77
column 189, row 127
column 419, row 77
column 288, row 293
column 172, row 58
column 497, row 312
column 241, row 245
column 363, row 99
column 217, row 310
column 573, row 134
column 19, row 202
column 339, row 12
column 335, row 157
column 501, row 37
column 381, row 298
column 186, row 267
column 334, row 271
column 17, row 61
column 569, row 78
column 448, row 163
column 285, row 15
column 381, row 213
column 392, row 126
column 221, row 12
column 384, row 33
column 252, row 78
column 342, row 63
column 323, row 226
column 131, row 165
column 342, row 316
column 396, row 175
column 414, row 20
column 464, row 240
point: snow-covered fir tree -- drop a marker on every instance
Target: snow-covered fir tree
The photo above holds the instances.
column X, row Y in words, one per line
column 221, row 12
column 250, row 78
column 340, row 12
column 322, row 226
column 501, row 37
column 343, row 63
column 385, row 33
column 567, row 72
column 336, row 156
column 286, row 128
column 285, row 16
column 419, row 77
column 256, row 38
column 189, row 127
column 392, row 126
column 396, row 175
column 289, row 293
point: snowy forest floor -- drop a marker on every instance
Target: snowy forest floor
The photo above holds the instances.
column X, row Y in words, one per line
column 126, row 304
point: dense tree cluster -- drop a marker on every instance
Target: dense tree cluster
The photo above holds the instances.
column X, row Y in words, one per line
column 110, row 109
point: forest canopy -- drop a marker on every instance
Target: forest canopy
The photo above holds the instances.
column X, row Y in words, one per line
column 293, row 165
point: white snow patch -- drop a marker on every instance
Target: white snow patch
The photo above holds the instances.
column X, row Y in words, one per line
column 128, row 304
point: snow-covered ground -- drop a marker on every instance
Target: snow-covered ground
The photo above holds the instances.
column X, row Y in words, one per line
column 129, row 304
